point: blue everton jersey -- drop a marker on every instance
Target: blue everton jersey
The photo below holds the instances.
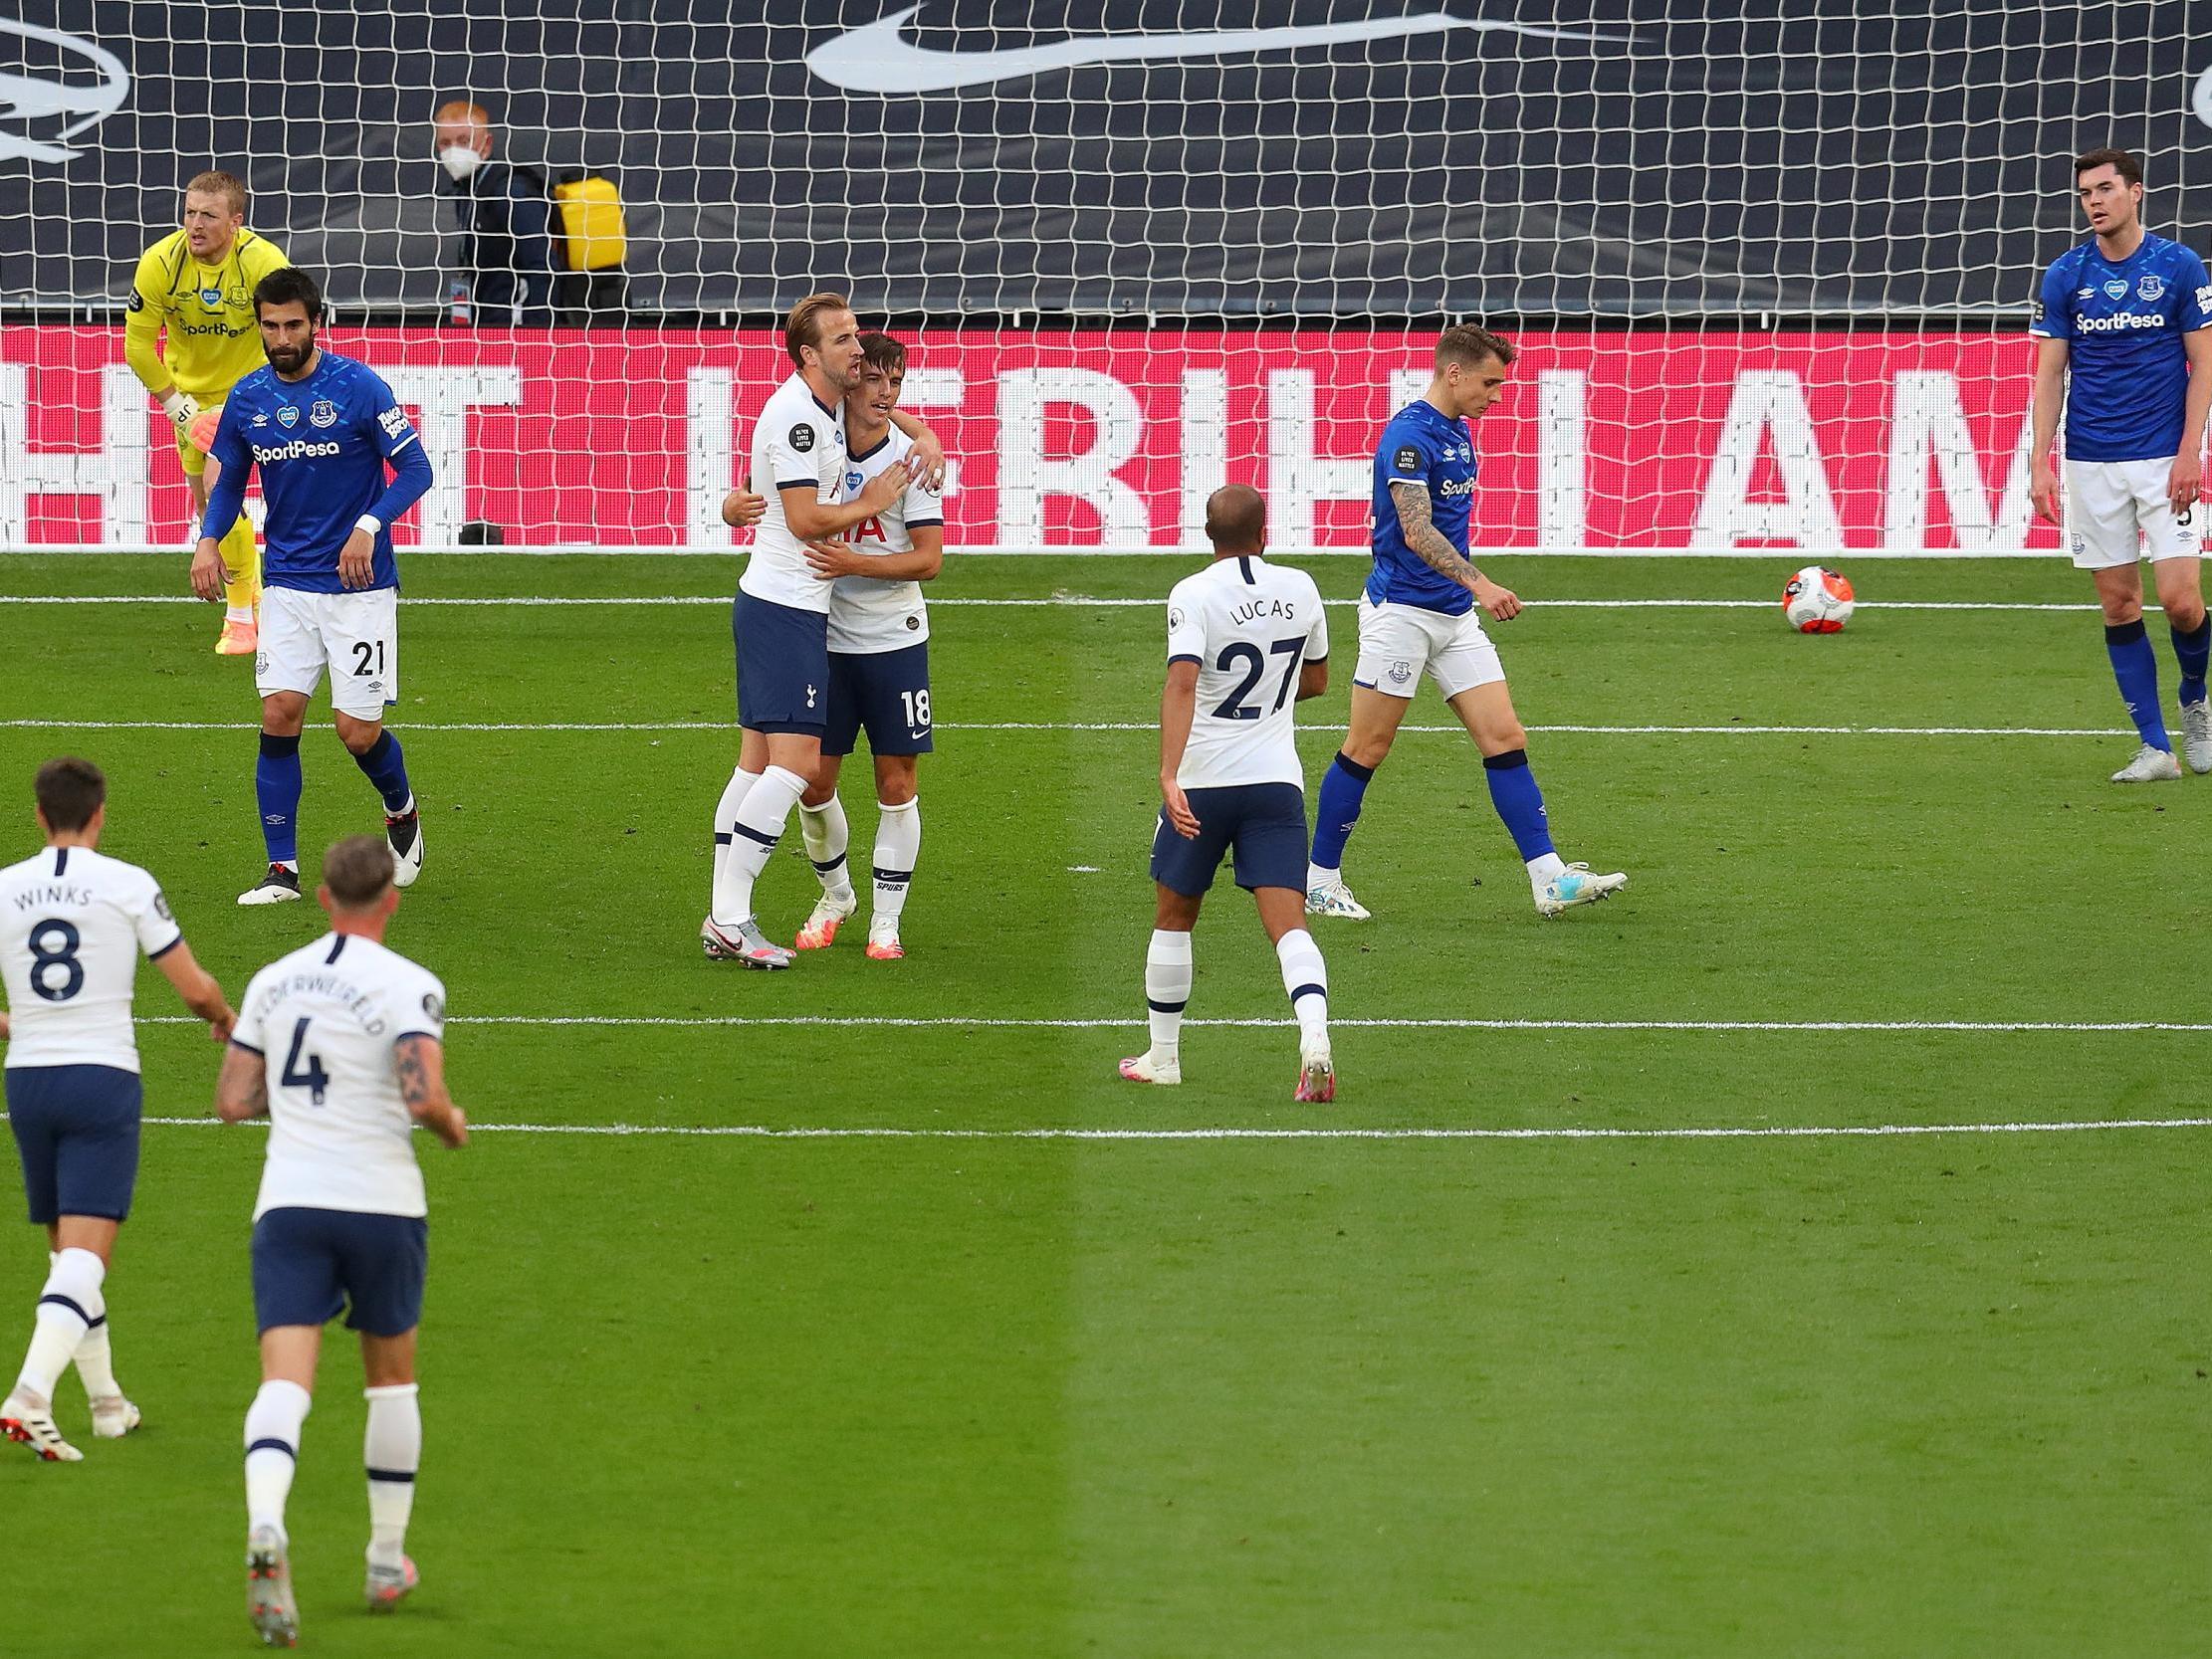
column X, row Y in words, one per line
column 2123, row 324
column 1421, row 445
column 320, row 445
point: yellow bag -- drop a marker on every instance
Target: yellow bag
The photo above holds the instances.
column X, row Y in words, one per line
column 590, row 212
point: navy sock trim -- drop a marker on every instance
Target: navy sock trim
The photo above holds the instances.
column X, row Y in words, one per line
column 1352, row 768
column 1308, row 990
column 270, row 1443
column 1505, row 762
column 1166, row 1007
column 720, row 840
column 277, row 747
column 752, row 834
column 822, row 866
column 403, row 1477
column 2127, row 633
column 97, row 1323
column 893, row 878
column 70, row 1303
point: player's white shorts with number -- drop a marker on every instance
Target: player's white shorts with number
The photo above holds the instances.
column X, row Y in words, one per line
column 1400, row 643
column 2109, row 501
column 354, row 635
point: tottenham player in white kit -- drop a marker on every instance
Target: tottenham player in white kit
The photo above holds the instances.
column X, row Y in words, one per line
column 781, row 620
column 341, row 1044
column 72, row 922
column 2131, row 315
column 879, row 663
column 1245, row 639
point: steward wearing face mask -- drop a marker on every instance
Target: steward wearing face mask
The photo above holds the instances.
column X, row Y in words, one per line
column 505, row 272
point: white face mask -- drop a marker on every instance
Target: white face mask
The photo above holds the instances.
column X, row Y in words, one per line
column 459, row 161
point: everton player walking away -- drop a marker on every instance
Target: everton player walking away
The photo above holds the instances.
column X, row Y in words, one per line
column 2131, row 314
column 72, row 922
column 321, row 429
column 1419, row 616
column 1245, row 639
column 341, row 1044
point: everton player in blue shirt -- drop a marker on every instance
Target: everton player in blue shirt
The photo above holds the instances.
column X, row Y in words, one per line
column 321, row 429
column 1419, row 616
column 2131, row 314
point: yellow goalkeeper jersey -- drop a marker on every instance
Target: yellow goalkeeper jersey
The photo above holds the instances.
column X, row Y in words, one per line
column 207, row 311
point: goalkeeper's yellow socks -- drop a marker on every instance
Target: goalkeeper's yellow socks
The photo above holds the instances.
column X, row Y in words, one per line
column 241, row 573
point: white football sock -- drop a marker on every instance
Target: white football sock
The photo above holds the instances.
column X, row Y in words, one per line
column 272, row 1426
column 95, row 1363
column 392, row 1450
column 753, row 831
column 1306, row 977
column 898, row 850
column 1317, row 875
column 1167, row 989
column 1542, row 868
column 67, row 1308
column 238, row 613
column 827, row 833
column 726, row 813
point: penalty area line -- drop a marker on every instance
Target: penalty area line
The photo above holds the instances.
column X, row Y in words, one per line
column 1717, row 1131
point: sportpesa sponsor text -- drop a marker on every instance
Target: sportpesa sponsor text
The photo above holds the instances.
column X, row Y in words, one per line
column 299, row 449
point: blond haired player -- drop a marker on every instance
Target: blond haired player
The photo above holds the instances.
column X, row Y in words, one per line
column 196, row 286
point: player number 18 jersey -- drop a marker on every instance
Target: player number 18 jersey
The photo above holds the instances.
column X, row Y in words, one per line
column 1250, row 626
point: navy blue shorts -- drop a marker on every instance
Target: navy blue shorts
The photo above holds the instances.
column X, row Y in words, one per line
column 309, row 1264
column 77, row 1132
column 1265, row 824
column 883, row 693
column 783, row 666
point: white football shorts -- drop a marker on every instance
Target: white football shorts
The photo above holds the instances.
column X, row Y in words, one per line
column 2108, row 503
column 1398, row 643
column 356, row 635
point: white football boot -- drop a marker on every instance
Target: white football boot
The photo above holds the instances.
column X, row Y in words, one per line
column 2196, row 734
column 2150, row 765
column 29, row 1423
column 1149, row 1067
column 1574, row 886
column 1334, row 898
column 388, row 1587
column 826, row 917
column 403, row 834
column 277, row 887
column 114, row 1417
column 743, row 943
column 269, row 1600
column 1316, row 1074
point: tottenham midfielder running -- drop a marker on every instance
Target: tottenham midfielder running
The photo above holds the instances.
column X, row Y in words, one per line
column 1419, row 616
column 781, row 618
column 1245, row 639
column 341, row 1044
column 2131, row 314
column 72, row 922
column 197, row 287
column 321, row 429
column 879, row 663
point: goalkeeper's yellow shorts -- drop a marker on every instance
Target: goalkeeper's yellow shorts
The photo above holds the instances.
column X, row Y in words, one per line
column 195, row 460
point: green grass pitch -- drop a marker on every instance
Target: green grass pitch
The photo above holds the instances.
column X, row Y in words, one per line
column 969, row 1391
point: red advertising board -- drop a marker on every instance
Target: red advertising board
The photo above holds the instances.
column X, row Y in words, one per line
column 1649, row 440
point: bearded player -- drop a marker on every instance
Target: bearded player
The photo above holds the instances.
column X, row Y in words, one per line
column 195, row 286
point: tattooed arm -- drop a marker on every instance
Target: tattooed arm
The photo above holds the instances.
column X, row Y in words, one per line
column 242, row 1088
column 420, row 1063
column 1436, row 551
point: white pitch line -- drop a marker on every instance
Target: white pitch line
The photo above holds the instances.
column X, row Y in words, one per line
column 1065, row 602
column 1762, row 1132
column 1442, row 1023
column 1313, row 733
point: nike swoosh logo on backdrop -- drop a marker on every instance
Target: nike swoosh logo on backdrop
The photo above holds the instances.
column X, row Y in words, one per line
column 878, row 59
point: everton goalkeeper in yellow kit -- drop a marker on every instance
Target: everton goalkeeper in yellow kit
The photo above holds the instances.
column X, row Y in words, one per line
column 196, row 286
